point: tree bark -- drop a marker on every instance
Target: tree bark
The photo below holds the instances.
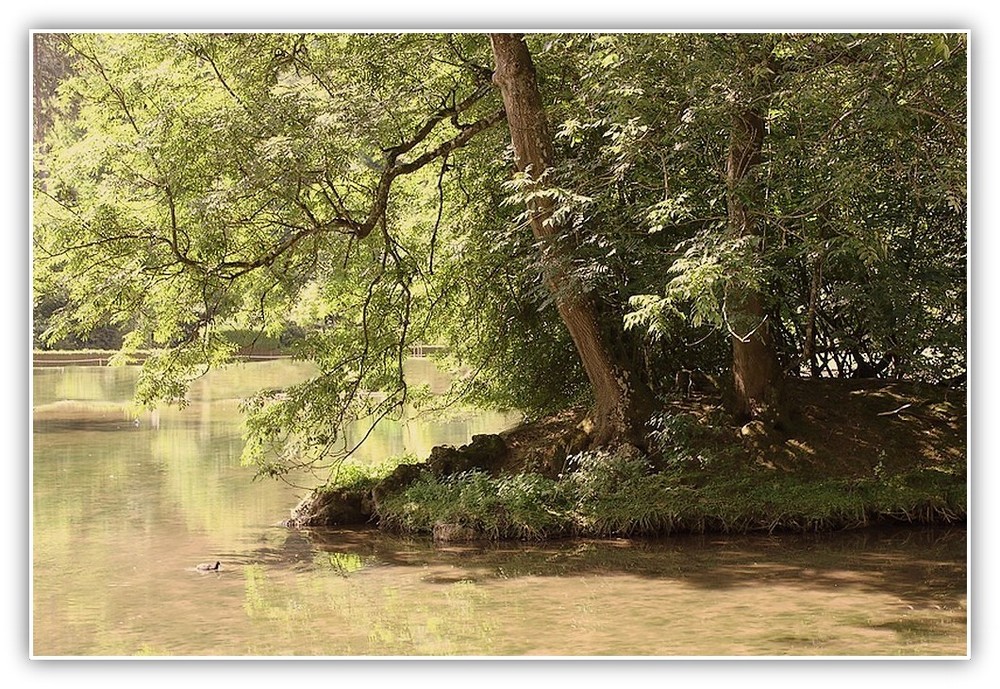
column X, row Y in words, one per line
column 757, row 378
column 622, row 402
column 809, row 345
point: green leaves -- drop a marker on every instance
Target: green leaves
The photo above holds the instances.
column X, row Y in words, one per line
column 190, row 184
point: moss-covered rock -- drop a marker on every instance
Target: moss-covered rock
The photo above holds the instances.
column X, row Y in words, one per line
column 401, row 478
column 485, row 453
column 333, row 507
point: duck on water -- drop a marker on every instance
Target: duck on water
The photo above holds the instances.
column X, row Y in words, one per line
column 208, row 566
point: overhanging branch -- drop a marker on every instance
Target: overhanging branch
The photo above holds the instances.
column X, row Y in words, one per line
column 233, row 269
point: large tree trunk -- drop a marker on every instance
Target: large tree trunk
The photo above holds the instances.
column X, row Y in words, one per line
column 622, row 401
column 757, row 378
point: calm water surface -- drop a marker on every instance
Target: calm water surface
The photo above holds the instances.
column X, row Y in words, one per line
column 123, row 513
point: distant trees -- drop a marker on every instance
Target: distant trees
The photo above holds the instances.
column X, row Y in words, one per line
column 758, row 205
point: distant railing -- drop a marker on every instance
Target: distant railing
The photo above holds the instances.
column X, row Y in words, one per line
column 423, row 351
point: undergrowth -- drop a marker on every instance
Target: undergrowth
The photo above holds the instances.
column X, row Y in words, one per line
column 696, row 479
column 623, row 494
column 356, row 476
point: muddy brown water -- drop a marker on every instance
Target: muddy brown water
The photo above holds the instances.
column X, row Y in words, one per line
column 123, row 512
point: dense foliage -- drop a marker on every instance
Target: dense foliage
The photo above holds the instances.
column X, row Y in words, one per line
column 355, row 193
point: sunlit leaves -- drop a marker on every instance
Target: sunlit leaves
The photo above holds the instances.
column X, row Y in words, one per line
column 176, row 163
column 195, row 184
column 670, row 212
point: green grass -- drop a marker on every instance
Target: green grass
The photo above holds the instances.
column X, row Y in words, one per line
column 610, row 495
column 524, row 506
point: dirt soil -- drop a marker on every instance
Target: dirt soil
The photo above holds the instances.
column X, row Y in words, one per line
column 839, row 428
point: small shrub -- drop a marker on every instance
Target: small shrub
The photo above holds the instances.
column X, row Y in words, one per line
column 686, row 443
column 619, row 493
column 534, row 506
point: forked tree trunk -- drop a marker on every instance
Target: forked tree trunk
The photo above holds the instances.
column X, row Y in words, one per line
column 757, row 379
column 621, row 401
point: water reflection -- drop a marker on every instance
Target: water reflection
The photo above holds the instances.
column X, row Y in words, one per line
column 122, row 514
column 873, row 593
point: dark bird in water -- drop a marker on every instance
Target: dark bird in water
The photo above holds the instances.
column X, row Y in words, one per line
column 208, row 567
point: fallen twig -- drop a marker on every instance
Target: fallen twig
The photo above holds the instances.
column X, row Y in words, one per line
column 894, row 411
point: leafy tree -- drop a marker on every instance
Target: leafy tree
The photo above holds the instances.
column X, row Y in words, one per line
column 855, row 128
column 761, row 204
column 206, row 180
column 622, row 401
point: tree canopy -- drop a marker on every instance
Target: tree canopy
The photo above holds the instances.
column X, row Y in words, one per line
column 359, row 194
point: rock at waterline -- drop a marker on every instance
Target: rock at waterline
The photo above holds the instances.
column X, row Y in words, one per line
column 337, row 507
column 486, row 452
column 351, row 506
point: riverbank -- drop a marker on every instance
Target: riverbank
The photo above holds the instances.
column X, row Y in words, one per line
column 43, row 358
column 102, row 357
column 77, row 357
column 858, row 453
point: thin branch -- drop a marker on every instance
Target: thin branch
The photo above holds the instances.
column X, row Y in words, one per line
column 437, row 221
column 233, row 269
column 395, row 170
column 203, row 54
column 894, row 411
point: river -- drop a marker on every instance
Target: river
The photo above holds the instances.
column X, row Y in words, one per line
column 125, row 505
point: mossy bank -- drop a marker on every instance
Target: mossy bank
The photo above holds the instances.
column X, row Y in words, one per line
column 856, row 453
